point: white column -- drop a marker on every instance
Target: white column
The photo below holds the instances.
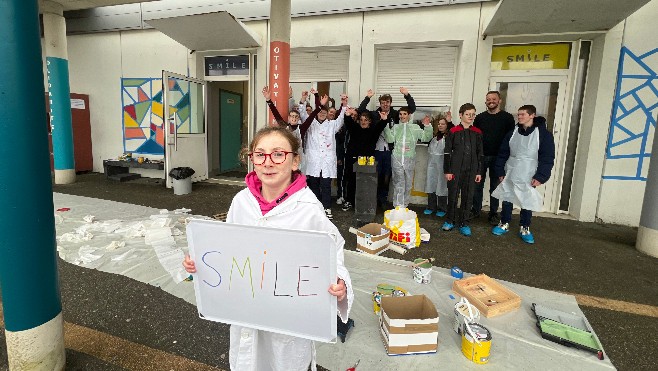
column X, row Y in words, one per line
column 647, row 233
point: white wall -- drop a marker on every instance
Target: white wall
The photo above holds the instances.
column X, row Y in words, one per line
column 95, row 70
column 97, row 62
column 620, row 201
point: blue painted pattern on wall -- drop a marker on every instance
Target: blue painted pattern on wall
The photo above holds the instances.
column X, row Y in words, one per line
column 634, row 113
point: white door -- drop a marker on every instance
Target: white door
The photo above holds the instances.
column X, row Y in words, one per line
column 548, row 95
column 186, row 134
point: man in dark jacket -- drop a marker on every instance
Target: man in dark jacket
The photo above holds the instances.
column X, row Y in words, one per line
column 462, row 166
column 383, row 149
column 524, row 162
column 494, row 124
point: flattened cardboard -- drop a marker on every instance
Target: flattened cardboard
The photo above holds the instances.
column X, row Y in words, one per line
column 409, row 325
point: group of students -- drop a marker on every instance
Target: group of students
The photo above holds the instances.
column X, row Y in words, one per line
column 460, row 156
column 277, row 194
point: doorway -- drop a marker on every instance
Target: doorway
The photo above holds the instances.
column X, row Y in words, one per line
column 548, row 95
column 228, row 129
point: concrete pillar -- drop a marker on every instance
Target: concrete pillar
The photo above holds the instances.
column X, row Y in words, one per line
column 279, row 76
column 647, row 233
column 28, row 268
column 59, row 92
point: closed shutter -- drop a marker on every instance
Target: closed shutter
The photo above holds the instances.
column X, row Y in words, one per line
column 319, row 65
column 428, row 73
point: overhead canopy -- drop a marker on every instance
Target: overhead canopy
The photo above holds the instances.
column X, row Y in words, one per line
column 209, row 31
column 523, row 17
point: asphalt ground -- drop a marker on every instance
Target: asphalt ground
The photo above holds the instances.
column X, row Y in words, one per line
column 615, row 285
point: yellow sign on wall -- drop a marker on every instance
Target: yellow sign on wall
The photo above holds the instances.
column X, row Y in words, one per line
column 531, row 57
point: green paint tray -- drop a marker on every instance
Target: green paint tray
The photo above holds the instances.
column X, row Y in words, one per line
column 566, row 329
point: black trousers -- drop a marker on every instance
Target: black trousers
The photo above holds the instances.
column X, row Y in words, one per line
column 437, row 203
column 463, row 184
column 349, row 179
column 321, row 187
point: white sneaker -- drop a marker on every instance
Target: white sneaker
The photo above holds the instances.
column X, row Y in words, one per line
column 340, row 201
column 328, row 213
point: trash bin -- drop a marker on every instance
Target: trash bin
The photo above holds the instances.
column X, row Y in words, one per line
column 182, row 180
column 365, row 200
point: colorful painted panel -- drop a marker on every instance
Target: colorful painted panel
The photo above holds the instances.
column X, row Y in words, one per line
column 142, row 112
column 635, row 108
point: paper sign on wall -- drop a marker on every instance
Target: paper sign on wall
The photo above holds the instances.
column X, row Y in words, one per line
column 265, row 278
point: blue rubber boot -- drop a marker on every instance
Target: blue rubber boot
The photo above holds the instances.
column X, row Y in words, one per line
column 448, row 226
column 500, row 229
column 465, row 230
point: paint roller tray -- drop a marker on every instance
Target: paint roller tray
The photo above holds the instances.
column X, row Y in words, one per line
column 566, row 329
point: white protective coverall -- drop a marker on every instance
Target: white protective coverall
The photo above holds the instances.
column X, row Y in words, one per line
column 404, row 135
column 436, row 181
column 520, row 167
column 257, row 350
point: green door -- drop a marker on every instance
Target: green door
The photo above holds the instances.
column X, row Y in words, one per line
column 230, row 116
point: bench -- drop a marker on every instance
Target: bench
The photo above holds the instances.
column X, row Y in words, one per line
column 118, row 170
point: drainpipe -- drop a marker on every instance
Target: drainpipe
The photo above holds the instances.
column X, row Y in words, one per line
column 34, row 327
column 647, row 233
column 279, row 76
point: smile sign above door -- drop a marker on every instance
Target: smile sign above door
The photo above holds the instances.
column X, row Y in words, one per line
column 230, row 65
column 531, row 57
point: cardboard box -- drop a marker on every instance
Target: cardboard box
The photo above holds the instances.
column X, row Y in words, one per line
column 489, row 296
column 409, row 325
column 372, row 238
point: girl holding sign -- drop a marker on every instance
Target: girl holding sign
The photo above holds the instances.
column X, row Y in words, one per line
column 277, row 196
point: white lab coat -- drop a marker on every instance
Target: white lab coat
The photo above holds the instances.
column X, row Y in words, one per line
column 257, row 350
column 321, row 147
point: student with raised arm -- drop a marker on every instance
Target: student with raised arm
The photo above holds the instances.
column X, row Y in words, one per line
column 363, row 135
column 293, row 122
column 405, row 136
column 382, row 148
column 277, row 196
column 320, row 149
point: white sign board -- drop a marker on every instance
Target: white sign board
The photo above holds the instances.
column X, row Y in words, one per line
column 265, row 278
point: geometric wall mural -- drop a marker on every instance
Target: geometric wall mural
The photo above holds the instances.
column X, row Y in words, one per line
column 142, row 123
column 635, row 107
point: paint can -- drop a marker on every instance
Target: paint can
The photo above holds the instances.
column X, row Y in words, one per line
column 476, row 343
column 422, row 271
column 464, row 312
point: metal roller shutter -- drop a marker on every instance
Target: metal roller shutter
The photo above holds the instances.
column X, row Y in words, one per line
column 428, row 73
column 319, row 65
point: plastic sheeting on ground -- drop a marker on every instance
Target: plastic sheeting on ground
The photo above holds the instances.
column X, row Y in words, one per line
column 118, row 245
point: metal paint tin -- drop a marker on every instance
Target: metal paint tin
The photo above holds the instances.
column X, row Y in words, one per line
column 476, row 343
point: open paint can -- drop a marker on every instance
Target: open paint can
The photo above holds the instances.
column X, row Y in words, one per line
column 464, row 312
column 422, row 271
column 476, row 343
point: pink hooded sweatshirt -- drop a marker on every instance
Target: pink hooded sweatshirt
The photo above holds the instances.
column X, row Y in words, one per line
column 254, row 184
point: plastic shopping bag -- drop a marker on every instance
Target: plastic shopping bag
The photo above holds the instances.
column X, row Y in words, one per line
column 404, row 227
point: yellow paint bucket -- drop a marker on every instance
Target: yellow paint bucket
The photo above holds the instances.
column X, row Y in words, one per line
column 476, row 343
